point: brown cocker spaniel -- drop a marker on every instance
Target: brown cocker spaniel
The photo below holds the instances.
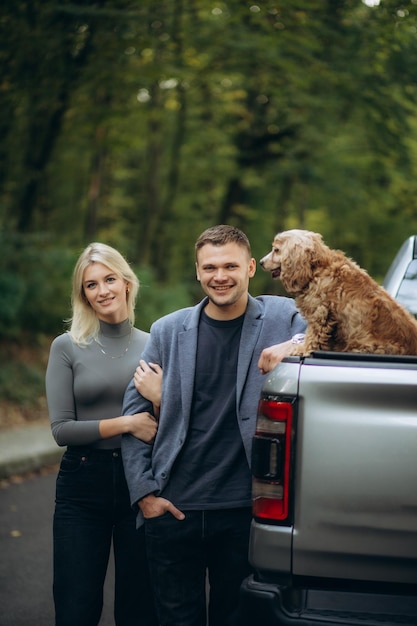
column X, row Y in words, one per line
column 345, row 309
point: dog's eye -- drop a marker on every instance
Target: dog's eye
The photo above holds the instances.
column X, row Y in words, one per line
column 276, row 249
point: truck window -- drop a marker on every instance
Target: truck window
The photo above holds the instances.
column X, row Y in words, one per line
column 407, row 293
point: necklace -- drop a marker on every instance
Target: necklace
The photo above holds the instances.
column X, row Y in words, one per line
column 117, row 356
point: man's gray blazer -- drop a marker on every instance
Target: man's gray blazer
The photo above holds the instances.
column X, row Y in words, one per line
column 173, row 345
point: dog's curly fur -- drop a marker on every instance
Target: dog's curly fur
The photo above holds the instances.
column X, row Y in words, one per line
column 345, row 309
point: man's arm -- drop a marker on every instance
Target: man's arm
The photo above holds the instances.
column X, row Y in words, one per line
column 137, row 454
column 137, row 462
column 270, row 357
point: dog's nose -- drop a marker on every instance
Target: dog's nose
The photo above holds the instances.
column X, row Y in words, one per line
column 261, row 262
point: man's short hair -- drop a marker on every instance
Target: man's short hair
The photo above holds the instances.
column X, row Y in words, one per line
column 221, row 235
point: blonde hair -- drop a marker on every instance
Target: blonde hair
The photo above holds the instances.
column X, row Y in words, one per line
column 84, row 323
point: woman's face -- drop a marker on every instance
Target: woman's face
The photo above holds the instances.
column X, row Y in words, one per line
column 106, row 293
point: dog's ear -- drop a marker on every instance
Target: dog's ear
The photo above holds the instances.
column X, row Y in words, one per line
column 301, row 257
column 319, row 251
column 295, row 266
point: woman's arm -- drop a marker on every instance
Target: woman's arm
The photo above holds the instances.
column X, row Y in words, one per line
column 59, row 382
column 66, row 428
column 140, row 425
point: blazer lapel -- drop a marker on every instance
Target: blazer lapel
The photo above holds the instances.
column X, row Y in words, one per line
column 187, row 346
column 250, row 333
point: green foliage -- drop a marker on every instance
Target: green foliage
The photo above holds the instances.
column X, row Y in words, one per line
column 21, row 383
column 140, row 124
column 157, row 299
column 36, row 285
column 35, row 279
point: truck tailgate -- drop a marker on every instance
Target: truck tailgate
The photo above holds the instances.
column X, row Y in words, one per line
column 355, row 512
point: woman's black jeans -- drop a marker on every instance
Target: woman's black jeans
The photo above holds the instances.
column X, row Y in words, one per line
column 92, row 509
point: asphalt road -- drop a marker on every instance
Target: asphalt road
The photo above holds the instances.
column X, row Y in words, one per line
column 26, row 509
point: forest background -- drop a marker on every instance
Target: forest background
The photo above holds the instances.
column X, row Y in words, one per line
column 140, row 123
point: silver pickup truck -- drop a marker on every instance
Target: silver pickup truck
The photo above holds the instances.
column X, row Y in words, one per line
column 334, row 532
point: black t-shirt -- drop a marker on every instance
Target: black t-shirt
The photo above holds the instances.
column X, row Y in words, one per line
column 211, row 471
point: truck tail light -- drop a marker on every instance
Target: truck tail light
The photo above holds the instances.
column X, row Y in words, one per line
column 271, row 453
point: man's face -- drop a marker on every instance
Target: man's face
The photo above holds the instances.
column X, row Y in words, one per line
column 224, row 273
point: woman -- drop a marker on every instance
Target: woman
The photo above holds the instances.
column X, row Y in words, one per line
column 88, row 370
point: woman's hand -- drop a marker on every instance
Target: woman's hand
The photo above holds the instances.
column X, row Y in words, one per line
column 148, row 381
column 140, row 425
column 143, row 426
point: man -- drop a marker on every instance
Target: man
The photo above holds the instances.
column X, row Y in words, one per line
column 193, row 486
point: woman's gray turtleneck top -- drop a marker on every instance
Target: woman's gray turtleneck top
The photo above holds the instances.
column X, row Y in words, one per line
column 85, row 384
